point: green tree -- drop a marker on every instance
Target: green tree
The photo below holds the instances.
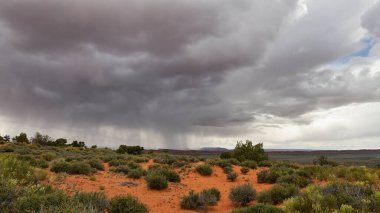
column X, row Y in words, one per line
column 134, row 150
column 60, row 142
column 248, row 151
column 22, row 138
column 43, row 140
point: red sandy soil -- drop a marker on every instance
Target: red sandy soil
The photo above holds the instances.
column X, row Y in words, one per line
column 167, row 200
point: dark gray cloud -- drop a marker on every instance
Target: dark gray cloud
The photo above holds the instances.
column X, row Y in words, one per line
column 178, row 67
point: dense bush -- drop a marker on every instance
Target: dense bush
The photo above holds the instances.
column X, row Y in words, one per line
column 264, row 163
column 225, row 155
column 190, row 201
column 244, row 170
column 40, row 196
column 232, row 176
column 133, row 150
column 8, row 194
column 169, row 174
column 277, row 194
column 136, row 173
column 359, row 197
column 13, row 169
column 97, row 200
column 227, row 169
column 204, row 169
column 96, row 164
column 242, row 194
column 72, row 168
column 126, row 204
column 248, row 151
column 156, row 181
column 285, row 174
column 202, row 200
column 259, row 208
column 249, row 163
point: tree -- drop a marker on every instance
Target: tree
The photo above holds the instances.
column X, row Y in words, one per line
column 60, row 142
column 43, row 140
column 7, row 138
column 78, row 144
column 22, row 138
column 134, row 150
column 248, row 151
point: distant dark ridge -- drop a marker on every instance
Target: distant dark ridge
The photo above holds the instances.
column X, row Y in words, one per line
column 269, row 151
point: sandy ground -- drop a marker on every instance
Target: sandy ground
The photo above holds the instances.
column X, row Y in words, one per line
column 167, row 200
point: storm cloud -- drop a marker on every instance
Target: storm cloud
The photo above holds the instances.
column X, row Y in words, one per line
column 166, row 73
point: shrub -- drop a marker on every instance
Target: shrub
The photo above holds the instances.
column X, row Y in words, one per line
column 227, row 169
column 248, row 151
column 170, row 175
column 40, row 196
column 126, row 204
column 244, row 170
column 48, row 156
column 277, row 194
column 190, row 201
column 223, row 163
column 242, row 194
column 121, row 169
column 259, row 208
column 136, row 173
column 156, row 181
column 96, row 164
column 101, row 187
column 264, row 163
column 19, row 171
column 207, row 197
column 133, row 150
column 92, row 178
column 72, row 168
column 205, row 170
column 8, row 194
column 250, row 164
column 263, row 176
column 225, row 155
column 97, row 200
column 232, row 176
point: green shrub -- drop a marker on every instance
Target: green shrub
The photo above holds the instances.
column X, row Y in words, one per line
column 156, row 181
column 71, row 168
column 96, row 164
column 121, row 169
column 264, row 163
column 277, row 194
column 249, row 163
column 244, row 170
column 205, row 169
column 263, row 176
column 19, row 171
column 40, row 196
column 165, row 159
column 97, row 200
column 242, row 194
column 126, row 204
column 259, row 208
column 227, row 169
column 232, row 176
column 136, row 173
column 225, row 155
column 202, row 200
column 248, row 151
column 223, row 163
column 48, row 156
column 169, row 174
column 190, row 201
column 43, row 164
column 8, row 194
column 209, row 197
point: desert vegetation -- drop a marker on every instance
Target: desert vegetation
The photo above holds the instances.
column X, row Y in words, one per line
column 41, row 174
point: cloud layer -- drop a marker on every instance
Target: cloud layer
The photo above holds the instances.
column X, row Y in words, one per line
column 182, row 73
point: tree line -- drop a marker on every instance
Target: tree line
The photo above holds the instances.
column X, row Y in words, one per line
column 43, row 140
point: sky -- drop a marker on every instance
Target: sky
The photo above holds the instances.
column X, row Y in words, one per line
column 186, row 74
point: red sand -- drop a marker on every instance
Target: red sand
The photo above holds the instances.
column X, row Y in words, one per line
column 167, row 200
